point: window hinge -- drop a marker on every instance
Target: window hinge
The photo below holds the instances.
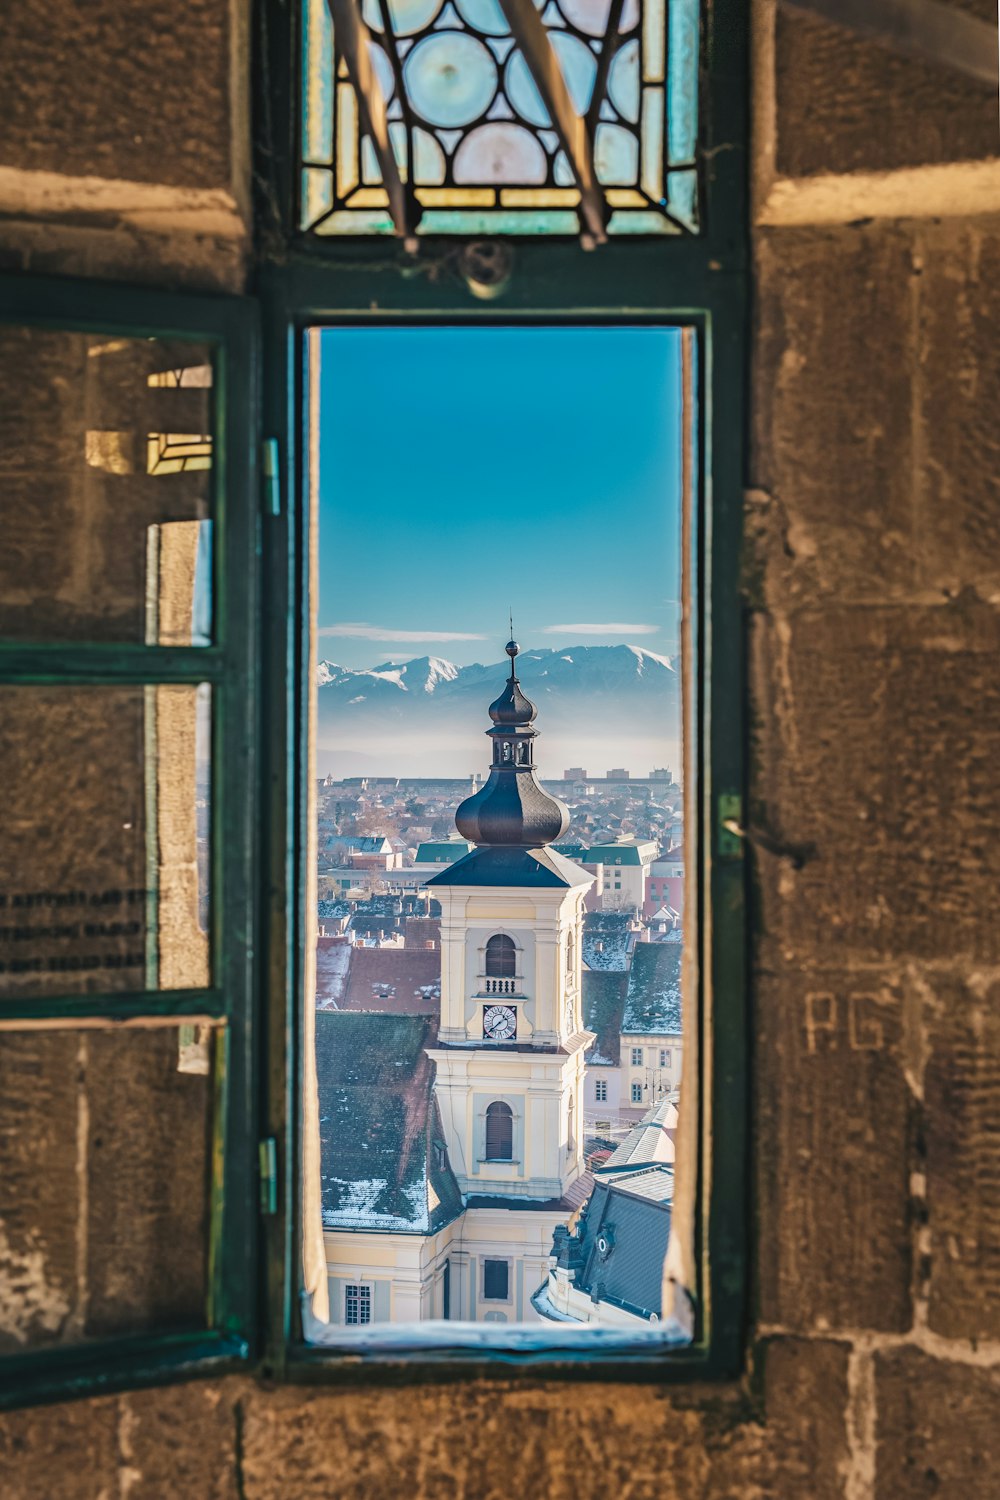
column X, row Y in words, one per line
column 268, row 1156
column 272, row 476
column 731, row 833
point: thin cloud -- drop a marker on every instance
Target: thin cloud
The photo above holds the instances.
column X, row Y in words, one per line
column 615, row 628
column 358, row 630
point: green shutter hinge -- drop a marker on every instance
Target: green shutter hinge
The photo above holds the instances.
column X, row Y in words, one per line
column 268, row 1156
column 271, row 464
column 730, row 835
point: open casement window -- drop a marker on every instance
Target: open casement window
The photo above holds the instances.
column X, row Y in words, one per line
column 127, row 560
column 470, row 166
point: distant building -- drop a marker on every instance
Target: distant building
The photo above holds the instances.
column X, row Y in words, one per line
column 652, row 1040
column 633, row 1006
column 665, row 882
column 575, row 773
column 626, row 863
column 361, row 852
column 442, row 852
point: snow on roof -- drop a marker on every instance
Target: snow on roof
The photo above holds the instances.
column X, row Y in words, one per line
column 653, row 1000
column 383, row 1166
column 333, row 960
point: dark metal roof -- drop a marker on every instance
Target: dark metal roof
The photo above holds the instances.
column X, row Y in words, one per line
column 512, row 808
column 512, row 865
column 512, row 706
column 638, row 1226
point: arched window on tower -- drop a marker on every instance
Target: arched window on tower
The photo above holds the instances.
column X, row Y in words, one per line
column 501, row 957
column 499, row 1132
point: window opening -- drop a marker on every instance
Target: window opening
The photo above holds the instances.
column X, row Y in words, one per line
column 501, row 957
column 358, row 1304
column 496, row 1280
column 420, row 1001
column 499, row 1132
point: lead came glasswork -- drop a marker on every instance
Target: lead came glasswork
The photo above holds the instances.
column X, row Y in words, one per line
column 477, row 128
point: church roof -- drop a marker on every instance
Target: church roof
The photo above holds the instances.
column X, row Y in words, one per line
column 507, row 864
column 512, row 809
column 383, row 1163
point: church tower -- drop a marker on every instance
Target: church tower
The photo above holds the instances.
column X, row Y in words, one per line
column 511, row 1043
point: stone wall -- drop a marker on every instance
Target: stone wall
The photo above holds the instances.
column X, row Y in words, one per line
column 873, row 578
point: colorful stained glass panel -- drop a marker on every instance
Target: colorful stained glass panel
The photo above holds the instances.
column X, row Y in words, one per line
column 469, row 127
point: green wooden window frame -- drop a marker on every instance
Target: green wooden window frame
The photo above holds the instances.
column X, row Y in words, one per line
column 698, row 282
column 228, row 326
column 258, row 667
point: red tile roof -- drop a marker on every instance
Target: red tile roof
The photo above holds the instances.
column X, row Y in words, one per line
column 396, row 981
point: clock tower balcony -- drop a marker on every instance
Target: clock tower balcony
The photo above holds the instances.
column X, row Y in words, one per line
column 491, row 986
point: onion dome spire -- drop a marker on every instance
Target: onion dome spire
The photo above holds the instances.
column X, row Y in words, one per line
column 512, row 808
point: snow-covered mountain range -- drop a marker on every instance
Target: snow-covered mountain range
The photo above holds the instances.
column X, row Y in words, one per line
column 598, row 706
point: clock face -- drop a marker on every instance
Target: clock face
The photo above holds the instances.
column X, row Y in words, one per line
column 499, row 1023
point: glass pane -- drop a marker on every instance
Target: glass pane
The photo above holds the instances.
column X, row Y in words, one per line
column 473, row 138
column 501, row 1068
column 105, row 1159
column 105, row 463
column 104, row 846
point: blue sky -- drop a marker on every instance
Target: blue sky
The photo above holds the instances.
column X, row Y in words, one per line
column 466, row 471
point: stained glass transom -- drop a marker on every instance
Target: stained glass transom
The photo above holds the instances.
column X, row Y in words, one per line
column 469, row 128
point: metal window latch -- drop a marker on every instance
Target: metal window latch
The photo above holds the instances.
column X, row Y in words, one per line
column 268, row 1157
column 731, row 834
column 271, row 464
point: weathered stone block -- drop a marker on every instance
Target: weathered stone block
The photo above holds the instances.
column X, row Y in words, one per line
column 477, row 1441
column 937, row 1428
column 846, row 104
column 66, row 1452
column 805, row 1403
column 875, row 787
column 962, row 1129
column 180, row 1440
column 129, row 89
column 833, row 1127
column 40, row 1106
column 957, row 385
column 832, row 439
